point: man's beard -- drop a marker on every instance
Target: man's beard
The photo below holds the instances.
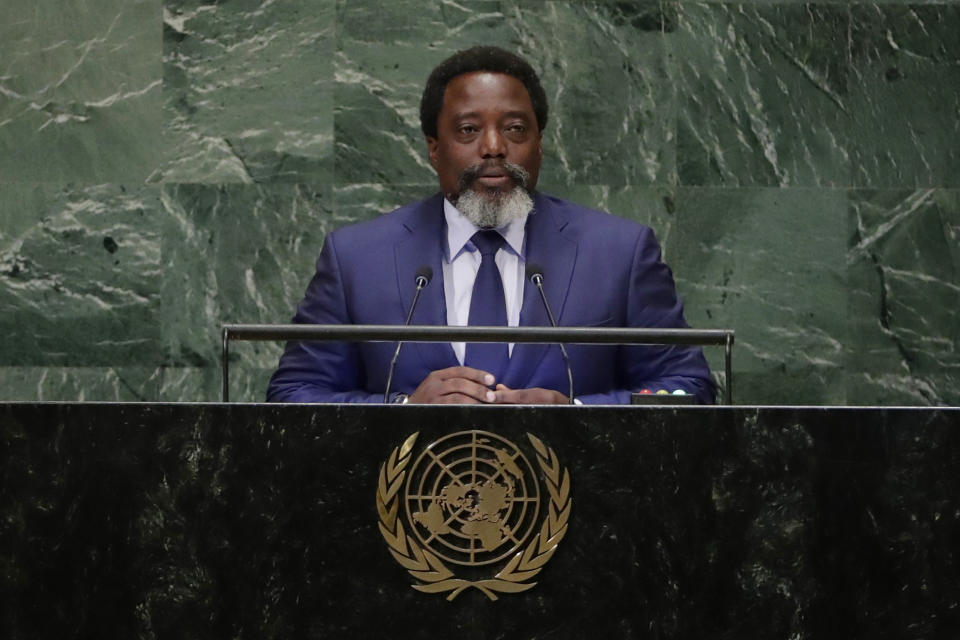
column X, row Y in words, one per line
column 492, row 209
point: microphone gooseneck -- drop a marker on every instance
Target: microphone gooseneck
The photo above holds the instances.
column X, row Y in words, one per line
column 422, row 278
column 535, row 274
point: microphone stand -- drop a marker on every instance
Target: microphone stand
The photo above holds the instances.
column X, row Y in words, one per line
column 537, row 278
column 424, row 274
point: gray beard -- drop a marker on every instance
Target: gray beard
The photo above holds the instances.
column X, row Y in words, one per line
column 493, row 211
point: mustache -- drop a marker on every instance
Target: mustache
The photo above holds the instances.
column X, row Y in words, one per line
column 469, row 175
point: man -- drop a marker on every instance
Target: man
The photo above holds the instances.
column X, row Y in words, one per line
column 483, row 113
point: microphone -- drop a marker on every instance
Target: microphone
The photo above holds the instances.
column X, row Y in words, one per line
column 422, row 278
column 535, row 274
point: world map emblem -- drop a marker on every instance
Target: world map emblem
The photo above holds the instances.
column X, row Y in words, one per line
column 468, row 511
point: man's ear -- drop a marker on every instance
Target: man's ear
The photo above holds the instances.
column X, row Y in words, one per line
column 432, row 150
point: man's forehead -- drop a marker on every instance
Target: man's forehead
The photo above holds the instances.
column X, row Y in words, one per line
column 479, row 86
column 483, row 78
column 468, row 112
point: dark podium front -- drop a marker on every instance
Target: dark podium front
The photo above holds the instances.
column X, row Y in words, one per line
column 261, row 521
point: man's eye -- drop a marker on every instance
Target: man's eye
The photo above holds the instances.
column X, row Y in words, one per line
column 519, row 128
column 468, row 128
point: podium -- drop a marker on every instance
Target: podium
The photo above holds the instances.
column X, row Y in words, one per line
column 262, row 521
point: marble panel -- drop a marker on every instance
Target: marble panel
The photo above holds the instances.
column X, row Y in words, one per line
column 248, row 382
column 768, row 263
column 603, row 66
column 248, row 91
column 904, row 275
column 759, row 2
column 806, row 2
column 190, row 384
column 235, row 253
column 905, row 95
column 112, row 291
column 80, row 275
column 79, row 90
column 654, row 206
column 360, row 202
column 762, row 94
column 80, row 384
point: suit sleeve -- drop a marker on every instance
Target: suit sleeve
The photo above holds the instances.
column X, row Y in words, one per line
column 322, row 371
column 652, row 302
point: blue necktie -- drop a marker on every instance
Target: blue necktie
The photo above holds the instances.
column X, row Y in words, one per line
column 488, row 306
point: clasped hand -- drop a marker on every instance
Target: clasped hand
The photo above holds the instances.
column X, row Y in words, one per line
column 466, row 385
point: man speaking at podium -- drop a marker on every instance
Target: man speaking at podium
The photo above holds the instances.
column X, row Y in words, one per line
column 483, row 113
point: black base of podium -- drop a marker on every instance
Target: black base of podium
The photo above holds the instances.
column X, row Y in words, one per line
column 259, row 521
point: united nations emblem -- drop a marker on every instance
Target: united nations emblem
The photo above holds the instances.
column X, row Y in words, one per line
column 471, row 500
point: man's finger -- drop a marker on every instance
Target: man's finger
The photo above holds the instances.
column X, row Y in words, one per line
column 535, row 395
column 469, row 388
column 508, row 396
column 469, row 373
column 457, row 398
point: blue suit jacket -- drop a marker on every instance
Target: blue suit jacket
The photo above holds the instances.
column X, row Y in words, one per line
column 599, row 271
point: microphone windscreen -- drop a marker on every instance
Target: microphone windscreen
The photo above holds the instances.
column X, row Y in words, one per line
column 534, row 270
column 425, row 272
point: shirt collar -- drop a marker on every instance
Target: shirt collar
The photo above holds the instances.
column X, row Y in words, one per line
column 460, row 230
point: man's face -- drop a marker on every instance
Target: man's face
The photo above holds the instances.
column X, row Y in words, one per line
column 487, row 120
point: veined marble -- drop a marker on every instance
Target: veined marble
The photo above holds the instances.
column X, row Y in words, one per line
column 904, row 265
column 80, row 90
column 80, row 276
column 168, row 166
column 247, row 92
column 770, row 264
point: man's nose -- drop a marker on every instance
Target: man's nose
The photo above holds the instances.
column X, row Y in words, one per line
column 491, row 144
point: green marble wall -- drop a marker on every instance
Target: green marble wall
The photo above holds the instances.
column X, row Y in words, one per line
column 169, row 166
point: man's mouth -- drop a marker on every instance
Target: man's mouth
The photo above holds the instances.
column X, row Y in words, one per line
column 495, row 177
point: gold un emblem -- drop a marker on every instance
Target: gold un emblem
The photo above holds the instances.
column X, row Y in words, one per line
column 470, row 503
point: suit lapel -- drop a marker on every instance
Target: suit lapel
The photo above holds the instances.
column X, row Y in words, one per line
column 422, row 245
column 551, row 249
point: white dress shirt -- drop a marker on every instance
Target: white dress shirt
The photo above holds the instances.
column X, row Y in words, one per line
column 461, row 261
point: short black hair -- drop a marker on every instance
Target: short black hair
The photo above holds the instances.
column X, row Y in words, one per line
column 491, row 59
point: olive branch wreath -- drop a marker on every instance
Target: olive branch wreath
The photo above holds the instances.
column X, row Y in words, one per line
column 430, row 570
